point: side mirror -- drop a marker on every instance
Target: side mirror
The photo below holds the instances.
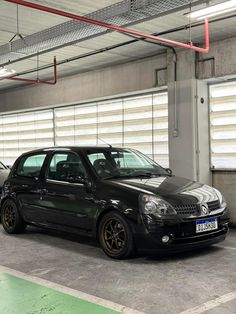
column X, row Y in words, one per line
column 169, row 171
column 85, row 182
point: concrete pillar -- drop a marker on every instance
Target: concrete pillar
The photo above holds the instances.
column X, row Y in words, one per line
column 188, row 120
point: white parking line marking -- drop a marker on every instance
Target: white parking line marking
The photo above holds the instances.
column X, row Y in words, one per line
column 226, row 247
column 78, row 294
column 211, row 304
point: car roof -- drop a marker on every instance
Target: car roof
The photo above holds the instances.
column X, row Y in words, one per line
column 71, row 148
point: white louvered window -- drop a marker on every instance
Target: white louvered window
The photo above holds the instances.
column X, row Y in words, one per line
column 110, row 122
column 146, row 126
column 64, row 126
column 86, row 125
column 22, row 132
column 139, row 122
column 223, row 125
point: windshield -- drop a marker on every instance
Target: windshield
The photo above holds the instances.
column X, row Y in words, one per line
column 118, row 163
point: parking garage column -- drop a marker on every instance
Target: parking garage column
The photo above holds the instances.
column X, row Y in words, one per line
column 188, row 119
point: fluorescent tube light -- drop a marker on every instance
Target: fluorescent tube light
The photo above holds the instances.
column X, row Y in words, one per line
column 6, row 73
column 214, row 10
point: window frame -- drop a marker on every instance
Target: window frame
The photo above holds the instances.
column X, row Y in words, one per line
column 212, row 167
column 26, row 156
column 48, row 180
column 107, row 151
column 4, row 166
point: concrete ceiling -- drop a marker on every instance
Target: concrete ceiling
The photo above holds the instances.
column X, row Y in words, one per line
column 32, row 21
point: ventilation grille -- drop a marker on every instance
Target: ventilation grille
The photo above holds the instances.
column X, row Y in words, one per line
column 186, row 210
column 213, row 205
column 194, row 209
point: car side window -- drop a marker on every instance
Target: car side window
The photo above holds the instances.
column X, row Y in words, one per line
column 30, row 166
column 102, row 164
column 95, row 156
column 66, row 167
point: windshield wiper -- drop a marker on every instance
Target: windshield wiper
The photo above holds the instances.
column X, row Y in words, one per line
column 146, row 175
column 132, row 175
column 117, row 176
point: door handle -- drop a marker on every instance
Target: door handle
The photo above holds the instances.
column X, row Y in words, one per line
column 91, row 199
column 25, row 186
column 44, row 191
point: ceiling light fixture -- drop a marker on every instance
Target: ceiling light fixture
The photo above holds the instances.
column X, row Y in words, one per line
column 221, row 8
column 6, row 73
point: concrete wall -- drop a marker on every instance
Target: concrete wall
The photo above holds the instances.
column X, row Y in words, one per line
column 223, row 61
column 123, row 78
column 119, row 79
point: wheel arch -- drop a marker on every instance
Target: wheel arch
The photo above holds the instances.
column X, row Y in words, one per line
column 132, row 242
column 108, row 209
column 101, row 215
column 8, row 197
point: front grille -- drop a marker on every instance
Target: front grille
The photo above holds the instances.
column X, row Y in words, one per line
column 184, row 210
column 213, row 205
column 194, row 209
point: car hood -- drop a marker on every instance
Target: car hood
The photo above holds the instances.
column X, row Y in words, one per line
column 3, row 175
column 175, row 190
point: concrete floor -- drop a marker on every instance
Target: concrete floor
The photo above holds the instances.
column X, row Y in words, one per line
column 169, row 284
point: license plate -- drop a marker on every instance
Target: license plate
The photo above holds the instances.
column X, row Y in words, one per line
column 206, row 225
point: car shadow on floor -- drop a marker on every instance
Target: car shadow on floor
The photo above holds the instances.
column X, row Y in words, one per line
column 91, row 248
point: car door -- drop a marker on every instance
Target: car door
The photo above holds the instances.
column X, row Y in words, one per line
column 66, row 199
column 26, row 184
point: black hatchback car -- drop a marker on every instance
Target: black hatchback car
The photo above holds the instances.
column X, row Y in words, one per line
column 120, row 196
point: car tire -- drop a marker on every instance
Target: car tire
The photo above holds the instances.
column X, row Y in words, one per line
column 115, row 236
column 12, row 222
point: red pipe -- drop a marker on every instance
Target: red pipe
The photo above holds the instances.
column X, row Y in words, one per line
column 117, row 28
column 14, row 78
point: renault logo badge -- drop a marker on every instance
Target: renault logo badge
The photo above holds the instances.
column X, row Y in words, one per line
column 204, row 209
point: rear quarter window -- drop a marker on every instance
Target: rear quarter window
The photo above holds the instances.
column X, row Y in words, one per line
column 30, row 166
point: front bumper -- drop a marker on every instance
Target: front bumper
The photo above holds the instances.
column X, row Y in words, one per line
column 182, row 235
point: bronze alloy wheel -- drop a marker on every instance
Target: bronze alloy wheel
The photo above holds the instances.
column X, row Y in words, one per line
column 114, row 235
column 9, row 216
column 11, row 219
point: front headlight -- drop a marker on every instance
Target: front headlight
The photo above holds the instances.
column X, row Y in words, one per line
column 153, row 205
column 220, row 197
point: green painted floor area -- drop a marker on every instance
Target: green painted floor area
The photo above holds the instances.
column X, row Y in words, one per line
column 19, row 296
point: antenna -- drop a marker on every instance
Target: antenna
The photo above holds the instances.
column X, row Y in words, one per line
column 104, row 142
